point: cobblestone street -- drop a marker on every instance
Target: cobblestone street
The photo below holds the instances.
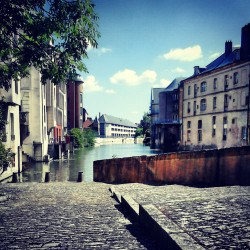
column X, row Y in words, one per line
column 64, row 215
column 216, row 218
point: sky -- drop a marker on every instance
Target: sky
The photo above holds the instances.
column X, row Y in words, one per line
column 146, row 44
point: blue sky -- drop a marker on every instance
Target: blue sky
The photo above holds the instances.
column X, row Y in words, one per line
column 148, row 43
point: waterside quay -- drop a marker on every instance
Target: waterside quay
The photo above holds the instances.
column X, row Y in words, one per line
column 67, row 215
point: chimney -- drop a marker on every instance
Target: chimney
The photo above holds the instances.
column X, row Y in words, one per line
column 196, row 70
column 245, row 42
column 228, row 48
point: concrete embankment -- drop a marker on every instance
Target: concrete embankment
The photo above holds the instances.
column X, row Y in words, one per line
column 106, row 141
column 229, row 166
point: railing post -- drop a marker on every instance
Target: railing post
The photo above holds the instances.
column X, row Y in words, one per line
column 14, row 177
column 47, row 177
column 80, row 175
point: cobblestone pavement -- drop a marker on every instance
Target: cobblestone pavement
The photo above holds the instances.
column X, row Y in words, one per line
column 65, row 216
column 216, row 218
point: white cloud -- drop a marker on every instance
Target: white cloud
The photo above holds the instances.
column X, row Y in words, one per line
column 131, row 78
column 92, row 85
column 104, row 50
column 188, row 54
column 99, row 51
column 110, row 91
column 214, row 55
column 163, row 84
column 178, row 70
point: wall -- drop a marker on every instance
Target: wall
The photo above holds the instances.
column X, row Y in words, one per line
column 229, row 166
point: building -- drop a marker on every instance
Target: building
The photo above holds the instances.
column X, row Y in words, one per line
column 10, row 105
column 43, row 116
column 216, row 100
column 154, row 115
column 170, row 114
column 113, row 127
column 75, row 103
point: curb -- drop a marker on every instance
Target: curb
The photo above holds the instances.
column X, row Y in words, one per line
column 167, row 233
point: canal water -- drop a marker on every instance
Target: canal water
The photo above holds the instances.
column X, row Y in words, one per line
column 81, row 161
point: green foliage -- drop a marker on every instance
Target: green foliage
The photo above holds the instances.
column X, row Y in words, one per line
column 78, row 137
column 89, row 137
column 51, row 35
column 85, row 138
column 4, row 158
column 5, row 155
column 145, row 124
column 139, row 132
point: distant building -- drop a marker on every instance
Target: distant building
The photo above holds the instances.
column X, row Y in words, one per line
column 113, row 127
column 170, row 114
column 75, row 103
column 216, row 100
column 154, row 115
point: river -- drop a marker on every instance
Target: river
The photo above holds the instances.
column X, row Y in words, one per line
column 81, row 161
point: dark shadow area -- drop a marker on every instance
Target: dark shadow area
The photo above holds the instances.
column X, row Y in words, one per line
column 137, row 231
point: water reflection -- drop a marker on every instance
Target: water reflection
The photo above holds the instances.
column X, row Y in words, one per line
column 81, row 161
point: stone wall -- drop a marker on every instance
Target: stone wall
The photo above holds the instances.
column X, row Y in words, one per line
column 229, row 166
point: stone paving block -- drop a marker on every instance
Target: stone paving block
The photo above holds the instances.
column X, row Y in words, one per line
column 66, row 216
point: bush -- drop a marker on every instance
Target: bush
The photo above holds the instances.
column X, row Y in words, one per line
column 89, row 137
column 78, row 137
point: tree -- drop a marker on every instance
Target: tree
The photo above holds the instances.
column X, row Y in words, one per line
column 145, row 124
column 51, row 35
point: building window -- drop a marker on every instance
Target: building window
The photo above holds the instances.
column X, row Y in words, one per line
column 188, row 110
column 199, row 124
column 174, row 117
column 199, row 135
column 16, row 86
column 236, row 77
column 195, row 90
column 226, row 102
column 234, row 121
column 203, row 86
column 213, row 126
column 12, row 127
column 203, row 104
column 224, row 128
column 189, row 124
column 214, row 102
column 215, row 83
column 189, row 90
column 244, row 133
column 199, row 130
column 189, row 135
column 226, row 82
column 194, row 106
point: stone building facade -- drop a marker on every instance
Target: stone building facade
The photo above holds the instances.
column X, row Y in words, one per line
column 170, row 116
column 216, row 100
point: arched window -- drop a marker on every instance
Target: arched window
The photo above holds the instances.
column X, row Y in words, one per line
column 203, row 86
column 203, row 104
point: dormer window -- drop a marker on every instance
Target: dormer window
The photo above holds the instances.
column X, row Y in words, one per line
column 203, row 86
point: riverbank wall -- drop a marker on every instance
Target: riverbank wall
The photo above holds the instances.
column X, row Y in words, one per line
column 221, row 167
column 107, row 141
